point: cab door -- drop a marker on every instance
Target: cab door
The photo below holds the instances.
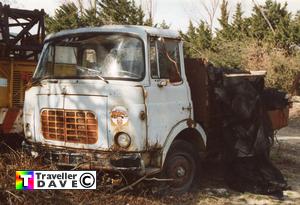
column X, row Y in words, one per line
column 168, row 99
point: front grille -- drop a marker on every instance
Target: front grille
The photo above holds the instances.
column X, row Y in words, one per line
column 76, row 126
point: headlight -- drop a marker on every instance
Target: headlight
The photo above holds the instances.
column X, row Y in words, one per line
column 123, row 140
column 28, row 133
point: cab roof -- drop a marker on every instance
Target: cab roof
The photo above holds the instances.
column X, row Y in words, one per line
column 142, row 31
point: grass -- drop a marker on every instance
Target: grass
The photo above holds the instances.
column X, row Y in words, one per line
column 212, row 192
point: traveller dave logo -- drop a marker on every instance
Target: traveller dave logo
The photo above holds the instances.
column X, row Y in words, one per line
column 29, row 180
column 24, row 180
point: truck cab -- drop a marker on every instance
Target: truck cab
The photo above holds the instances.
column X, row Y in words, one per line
column 114, row 98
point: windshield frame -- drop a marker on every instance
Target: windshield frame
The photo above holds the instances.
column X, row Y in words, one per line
column 51, row 41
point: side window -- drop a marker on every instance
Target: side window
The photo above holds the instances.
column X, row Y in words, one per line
column 65, row 55
column 153, row 59
column 169, row 60
column 65, row 61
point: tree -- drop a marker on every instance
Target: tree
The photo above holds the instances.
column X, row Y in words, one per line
column 69, row 15
column 197, row 39
column 267, row 40
column 163, row 25
column 204, row 37
column 120, row 12
column 90, row 17
column 149, row 10
column 211, row 11
column 66, row 17
column 239, row 24
column 295, row 31
column 271, row 22
column 224, row 32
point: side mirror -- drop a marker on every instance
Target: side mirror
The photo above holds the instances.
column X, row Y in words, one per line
column 162, row 83
column 161, row 39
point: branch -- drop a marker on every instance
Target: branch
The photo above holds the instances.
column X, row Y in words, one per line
column 211, row 12
column 158, row 179
column 130, row 186
column 14, row 195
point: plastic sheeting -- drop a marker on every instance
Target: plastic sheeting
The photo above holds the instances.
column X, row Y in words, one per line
column 247, row 131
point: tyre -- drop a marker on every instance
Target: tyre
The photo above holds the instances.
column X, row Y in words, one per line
column 180, row 165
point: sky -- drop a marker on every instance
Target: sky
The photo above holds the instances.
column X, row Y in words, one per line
column 176, row 13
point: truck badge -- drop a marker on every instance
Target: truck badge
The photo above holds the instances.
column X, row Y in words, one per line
column 119, row 116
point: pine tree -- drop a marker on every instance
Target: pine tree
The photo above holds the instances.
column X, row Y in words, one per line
column 197, row 39
column 188, row 38
column 271, row 23
column 223, row 20
column 66, row 17
column 225, row 31
column 204, row 36
column 295, row 30
column 90, row 17
column 239, row 24
column 120, row 12
column 163, row 25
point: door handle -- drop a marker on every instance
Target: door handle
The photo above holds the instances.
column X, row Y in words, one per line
column 189, row 108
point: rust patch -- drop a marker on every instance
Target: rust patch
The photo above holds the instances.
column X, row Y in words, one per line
column 115, row 149
column 153, row 155
column 142, row 115
column 145, row 95
column 154, row 147
column 191, row 123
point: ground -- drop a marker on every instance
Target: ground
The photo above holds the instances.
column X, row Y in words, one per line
column 212, row 190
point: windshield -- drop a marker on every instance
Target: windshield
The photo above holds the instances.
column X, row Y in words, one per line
column 109, row 56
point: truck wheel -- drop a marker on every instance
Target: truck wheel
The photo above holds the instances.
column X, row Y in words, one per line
column 180, row 165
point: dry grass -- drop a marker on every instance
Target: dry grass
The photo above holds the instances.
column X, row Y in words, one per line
column 105, row 193
column 211, row 191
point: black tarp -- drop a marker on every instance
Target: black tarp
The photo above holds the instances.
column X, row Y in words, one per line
column 247, row 134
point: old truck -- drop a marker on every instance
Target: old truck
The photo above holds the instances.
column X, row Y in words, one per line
column 117, row 98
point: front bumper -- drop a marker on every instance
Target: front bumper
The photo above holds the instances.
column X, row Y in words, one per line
column 88, row 159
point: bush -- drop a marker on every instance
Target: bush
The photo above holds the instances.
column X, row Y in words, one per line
column 281, row 67
column 226, row 54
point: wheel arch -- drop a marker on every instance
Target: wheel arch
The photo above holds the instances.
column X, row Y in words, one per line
column 193, row 134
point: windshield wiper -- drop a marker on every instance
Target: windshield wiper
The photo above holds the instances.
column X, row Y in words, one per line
column 96, row 72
